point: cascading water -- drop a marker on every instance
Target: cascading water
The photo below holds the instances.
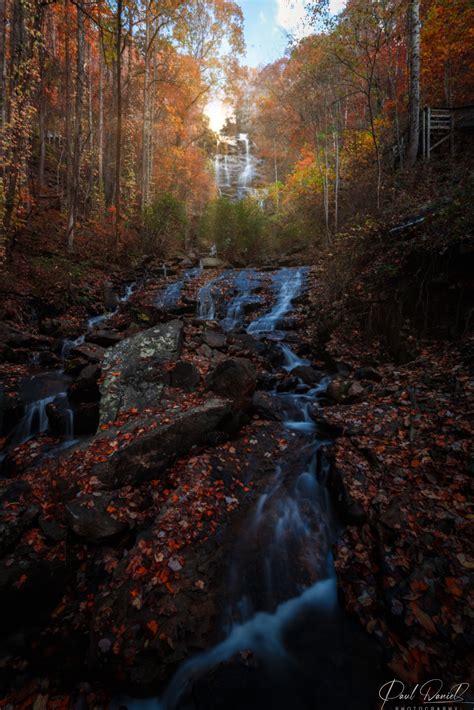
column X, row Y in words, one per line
column 68, row 345
column 245, row 283
column 248, row 173
column 291, row 360
column 45, row 388
column 283, row 592
column 35, row 421
column 235, row 167
column 206, row 309
column 170, row 296
column 288, row 284
column 38, row 392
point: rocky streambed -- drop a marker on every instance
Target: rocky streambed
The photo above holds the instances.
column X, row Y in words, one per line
column 178, row 543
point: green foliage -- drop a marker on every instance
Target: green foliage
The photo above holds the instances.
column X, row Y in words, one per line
column 164, row 225
column 238, row 229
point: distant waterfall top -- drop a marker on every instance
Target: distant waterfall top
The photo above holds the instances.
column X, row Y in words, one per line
column 235, row 167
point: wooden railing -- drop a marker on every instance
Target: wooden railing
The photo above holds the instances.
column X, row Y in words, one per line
column 437, row 127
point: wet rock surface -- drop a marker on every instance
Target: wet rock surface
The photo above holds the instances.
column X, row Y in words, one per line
column 148, row 456
column 132, row 369
column 92, row 517
column 134, row 546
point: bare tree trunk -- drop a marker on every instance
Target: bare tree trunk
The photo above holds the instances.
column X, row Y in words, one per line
column 275, row 165
column 67, row 100
column 42, row 121
column 77, row 149
column 101, row 117
column 17, row 54
column 414, row 97
column 3, row 64
column 336, row 186
column 118, row 143
column 145, row 187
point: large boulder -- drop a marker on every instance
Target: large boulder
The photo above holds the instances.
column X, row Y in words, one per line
column 14, row 338
column 235, row 379
column 148, row 456
column 132, row 369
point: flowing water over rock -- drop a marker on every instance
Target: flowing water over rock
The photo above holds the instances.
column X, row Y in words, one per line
column 37, row 392
column 287, row 284
column 235, row 167
column 170, row 296
column 47, row 388
column 245, row 284
column 282, row 585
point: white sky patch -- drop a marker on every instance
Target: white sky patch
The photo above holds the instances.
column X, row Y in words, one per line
column 262, row 17
column 217, row 112
column 336, row 6
column 291, row 16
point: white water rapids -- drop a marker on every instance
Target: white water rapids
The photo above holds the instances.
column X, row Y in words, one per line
column 283, row 565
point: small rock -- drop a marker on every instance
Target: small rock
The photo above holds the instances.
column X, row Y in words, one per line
column 214, row 339
column 104, row 338
column 88, row 351
column 307, row 374
column 89, row 518
column 355, row 392
column 368, row 373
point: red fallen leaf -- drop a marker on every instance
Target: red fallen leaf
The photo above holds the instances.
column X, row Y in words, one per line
column 116, row 374
column 423, row 619
column 140, row 571
column 164, row 575
column 418, row 585
column 22, row 580
column 153, row 626
column 453, row 587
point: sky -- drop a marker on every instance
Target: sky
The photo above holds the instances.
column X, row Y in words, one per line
column 267, row 26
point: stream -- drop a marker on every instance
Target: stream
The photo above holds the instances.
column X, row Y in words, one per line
column 281, row 607
column 282, row 593
column 47, row 387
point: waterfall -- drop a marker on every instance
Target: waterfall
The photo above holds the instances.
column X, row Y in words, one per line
column 226, row 170
column 206, row 305
column 290, row 359
column 285, row 544
column 68, row 345
column 245, row 282
column 234, row 166
column 289, row 283
column 171, row 295
column 248, row 173
column 35, row 420
column 129, row 290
